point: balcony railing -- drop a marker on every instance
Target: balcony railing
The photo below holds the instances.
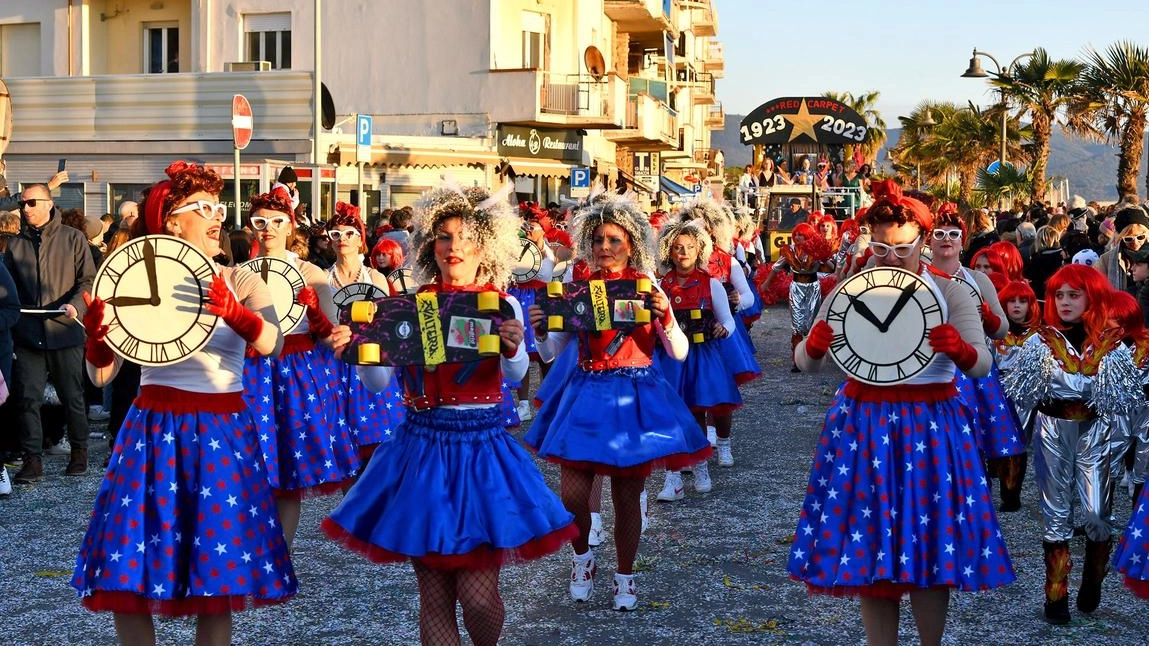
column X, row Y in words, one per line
column 640, row 16
column 703, row 21
column 542, row 98
column 716, row 116
column 649, row 124
column 655, row 88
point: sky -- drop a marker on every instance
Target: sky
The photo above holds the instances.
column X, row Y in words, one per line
column 909, row 52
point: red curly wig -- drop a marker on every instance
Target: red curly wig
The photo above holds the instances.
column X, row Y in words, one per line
column 1125, row 313
column 347, row 215
column 992, row 256
column 391, row 249
column 1020, row 290
column 950, row 219
column 891, row 207
column 275, row 201
column 1098, row 294
column 1011, row 260
column 813, row 244
column 184, row 180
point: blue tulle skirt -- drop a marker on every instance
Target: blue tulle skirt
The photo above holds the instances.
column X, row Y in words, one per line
column 1131, row 557
column 371, row 417
column 624, row 422
column 559, row 374
column 452, row 490
column 184, row 521
column 738, row 353
column 703, row 380
column 999, row 429
column 306, row 440
column 754, row 312
column 897, row 500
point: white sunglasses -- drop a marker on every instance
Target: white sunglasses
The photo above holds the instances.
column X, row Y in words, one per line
column 952, row 234
column 260, row 223
column 207, row 210
column 900, row 250
column 336, row 235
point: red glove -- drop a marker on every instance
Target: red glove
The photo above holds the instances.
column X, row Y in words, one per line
column 946, row 339
column 316, row 319
column 990, row 322
column 96, row 349
column 221, row 302
column 818, row 341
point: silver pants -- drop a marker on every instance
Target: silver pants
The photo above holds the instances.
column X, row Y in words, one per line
column 805, row 299
column 1130, row 433
column 1073, row 457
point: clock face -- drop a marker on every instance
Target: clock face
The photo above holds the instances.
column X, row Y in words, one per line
column 348, row 294
column 969, row 287
column 154, row 288
column 402, row 280
column 881, row 320
column 529, row 263
column 284, row 281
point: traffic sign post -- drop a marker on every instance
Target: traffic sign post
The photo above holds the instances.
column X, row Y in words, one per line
column 364, row 125
column 242, row 128
column 580, row 182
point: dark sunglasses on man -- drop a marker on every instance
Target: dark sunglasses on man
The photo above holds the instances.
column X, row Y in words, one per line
column 32, row 201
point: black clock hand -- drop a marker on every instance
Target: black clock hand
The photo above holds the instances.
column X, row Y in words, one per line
column 128, row 301
column 266, row 267
column 865, row 311
column 150, row 265
column 524, row 253
column 907, row 293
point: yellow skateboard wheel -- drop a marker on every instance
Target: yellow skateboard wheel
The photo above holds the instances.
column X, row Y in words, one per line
column 695, row 315
column 369, row 353
column 488, row 302
column 698, row 337
column 555, row 289
column 554, row 322
column 642, row 285
column 489, row 345
column 363, row 312
column 642, row 316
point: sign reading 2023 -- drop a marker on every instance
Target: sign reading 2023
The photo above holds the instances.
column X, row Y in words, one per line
column 815, row 120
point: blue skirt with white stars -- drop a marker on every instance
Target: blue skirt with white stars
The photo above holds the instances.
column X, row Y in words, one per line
column 371, row 417
column 897, row 499
column 1131, row 557
column 184, row 521
column 999, row 429
column 306, row 439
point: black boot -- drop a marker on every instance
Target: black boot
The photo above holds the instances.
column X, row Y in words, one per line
column 1057, row 567
column 1012, row 477
column 1096, row 566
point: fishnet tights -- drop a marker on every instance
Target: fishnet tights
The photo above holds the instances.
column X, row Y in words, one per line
column 476, row 590
column 577, row 486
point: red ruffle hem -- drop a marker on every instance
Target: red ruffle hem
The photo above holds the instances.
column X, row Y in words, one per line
column 1138, row 587
column 184, row 402
column 482, row 558
column 931, row 393
column 719, row 410
column 675, row 462
column 134, row 604
column 746, row 377
column 877, row 590
column 318, row 491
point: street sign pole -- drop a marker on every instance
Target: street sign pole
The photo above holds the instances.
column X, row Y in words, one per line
column 364, row 125
column 242, row 129
column 238, row 215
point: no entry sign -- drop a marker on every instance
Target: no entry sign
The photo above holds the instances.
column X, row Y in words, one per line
column 242, row 122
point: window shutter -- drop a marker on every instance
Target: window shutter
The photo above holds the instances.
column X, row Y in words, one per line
column 267, row 22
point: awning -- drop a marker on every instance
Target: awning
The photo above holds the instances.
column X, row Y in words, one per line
column 417, row 157
column 673, row 188
column 539, row 168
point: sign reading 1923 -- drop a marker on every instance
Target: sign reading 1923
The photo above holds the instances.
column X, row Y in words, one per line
column 805, row 119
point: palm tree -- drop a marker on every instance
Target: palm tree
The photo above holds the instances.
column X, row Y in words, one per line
column 866, row 106
column 1008, row 183
column 966, row 141
column 1112, row 103
column 1041, row 88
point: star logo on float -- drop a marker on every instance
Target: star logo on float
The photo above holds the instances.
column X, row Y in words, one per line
column 803, row 123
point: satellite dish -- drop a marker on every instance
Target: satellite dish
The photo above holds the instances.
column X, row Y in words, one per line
column 5, row 117
column 327, row 109
column 595, row 63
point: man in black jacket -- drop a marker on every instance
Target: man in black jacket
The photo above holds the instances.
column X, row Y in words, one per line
column 52, row 268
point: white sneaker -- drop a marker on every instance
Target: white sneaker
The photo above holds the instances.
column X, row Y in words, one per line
column 725, row 457
column 712, row 435
column 702, row 483
column 672, row 488
column 96, row 413
column 582, row 576
column 5, row 483
column 594, row 539
column 644, row 509
column 63, row 448
column 625, row 594
column 525, row 412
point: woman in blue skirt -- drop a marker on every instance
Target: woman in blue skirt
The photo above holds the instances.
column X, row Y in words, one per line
column 371, row 417
column 703, row 379
column 184, row 520
column 454, row 492
column 616, row 416
column 897, row 501
column 297, row 396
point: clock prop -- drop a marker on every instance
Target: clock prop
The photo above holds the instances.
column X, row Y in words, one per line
column 285, row 282
column 529, row 263
column 354, row 292
column 881, row 320
column 154, row 289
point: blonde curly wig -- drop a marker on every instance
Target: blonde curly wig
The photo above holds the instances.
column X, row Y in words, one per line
column 692, row 228
column 488, row 219
column 614, row 209
column 718, row 222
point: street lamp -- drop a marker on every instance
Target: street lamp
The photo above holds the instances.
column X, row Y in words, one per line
column 975, row 71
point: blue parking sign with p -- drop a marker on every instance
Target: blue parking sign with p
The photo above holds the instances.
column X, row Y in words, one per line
column 363, row 130
column 580, row 178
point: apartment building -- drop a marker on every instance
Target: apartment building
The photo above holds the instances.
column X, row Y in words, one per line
column 480, row 91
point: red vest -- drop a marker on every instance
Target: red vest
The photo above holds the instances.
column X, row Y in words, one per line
column 691, row 295
column 477, row 382
column 719, row 266
column 635, row 351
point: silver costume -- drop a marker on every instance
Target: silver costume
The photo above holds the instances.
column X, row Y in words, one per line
column 1129, row 430
column 1071, row 442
